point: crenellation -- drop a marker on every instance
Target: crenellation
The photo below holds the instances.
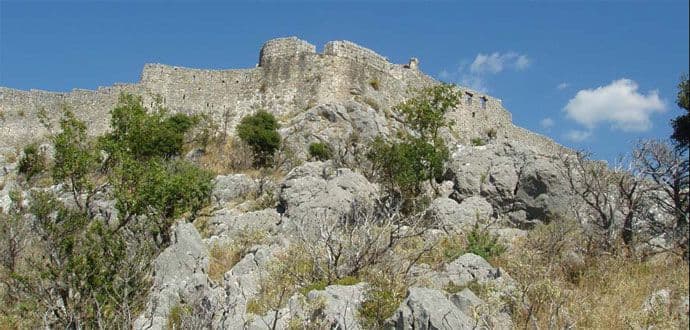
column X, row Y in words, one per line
column 284, row 48
column 357, row 53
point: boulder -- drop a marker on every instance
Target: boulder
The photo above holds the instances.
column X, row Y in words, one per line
column 233, row 186
column 179, row 275
column 519, row 181
column 447, row 213
column 230, row 223
column 425, row 308
column 341, row 303
column 317, row 191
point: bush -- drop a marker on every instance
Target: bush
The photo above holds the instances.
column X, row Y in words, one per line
column 404, row 166
column 260, row 131
column 146, row 134
column 478, row 142
column 33, row 162
column 320, row 151
column 482, row 243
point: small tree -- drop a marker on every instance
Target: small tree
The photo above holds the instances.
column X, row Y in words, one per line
column 33, row 162
column 260, row 131
column 421, row 154
column 76, row 158
column 681, row 124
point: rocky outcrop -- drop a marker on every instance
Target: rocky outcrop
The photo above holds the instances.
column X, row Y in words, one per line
column 316, row 191
column 179, row 275
column 522, row 184
column 340, row 305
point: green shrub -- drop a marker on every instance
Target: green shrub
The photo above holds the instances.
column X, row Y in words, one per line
column 378, row 306
column 320, row 151
column 33, row 162
column 404, row 166
column 482, row 243
column 260, row 132
column 146, row 134
column 477, row 142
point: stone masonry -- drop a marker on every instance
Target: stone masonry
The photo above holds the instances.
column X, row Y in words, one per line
column 291, row 76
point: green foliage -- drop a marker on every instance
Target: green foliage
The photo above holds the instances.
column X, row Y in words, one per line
column 320, row 151
column 425, row 112
column 177, row 316
column 478, row 142
column 681, row 124
column 482, row 243
column 161, row 190
column 33, row 162
column 260, row 132
column 403, row 166
column 85, row 258
column 379, row 305
column 76, row 158
column 375, row 83
column 144, row 134
column 88, row 273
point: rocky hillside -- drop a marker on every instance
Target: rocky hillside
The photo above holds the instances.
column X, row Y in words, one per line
column 360, row 217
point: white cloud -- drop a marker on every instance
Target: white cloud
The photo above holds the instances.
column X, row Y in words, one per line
column 618, row 103
column 562, row 86
column 496, row 62
column 578, row 136
column 547, row 123
column 474, row 75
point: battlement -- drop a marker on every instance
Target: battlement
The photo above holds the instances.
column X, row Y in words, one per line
column 284, row 47
column 357, row 53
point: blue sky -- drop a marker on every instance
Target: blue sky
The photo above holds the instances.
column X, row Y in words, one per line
column 592, row 75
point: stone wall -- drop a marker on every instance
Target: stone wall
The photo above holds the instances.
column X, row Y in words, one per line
column 291, row 77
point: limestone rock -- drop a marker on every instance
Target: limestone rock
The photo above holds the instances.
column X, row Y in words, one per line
column 230, row 223
column 229, row 187
column 517, row 180
column 341, row 303
column 179, row 274
column 429, row 309
column 447, row 213
column 316, row 191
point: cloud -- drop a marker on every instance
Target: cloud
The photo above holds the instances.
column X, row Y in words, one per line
column 562, row 86
column 577, row 135
column 547, row 123
column 475, row 74
column 618, row 104
column 496, row 62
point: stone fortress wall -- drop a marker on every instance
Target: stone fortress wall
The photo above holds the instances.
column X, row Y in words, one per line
column 291, row 76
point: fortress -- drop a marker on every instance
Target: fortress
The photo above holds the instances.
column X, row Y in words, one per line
column 291, row 76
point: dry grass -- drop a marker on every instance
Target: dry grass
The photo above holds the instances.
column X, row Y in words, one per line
column 559, row 290
column 225, row 256
column 229, row 156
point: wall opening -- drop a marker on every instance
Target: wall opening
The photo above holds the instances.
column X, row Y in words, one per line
column 468, row 98
column 483, row 100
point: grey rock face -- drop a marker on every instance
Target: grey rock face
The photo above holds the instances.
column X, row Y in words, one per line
column 229, row 187
column 340, row 304
column 429, row 309
column 449, row 214
column 317, row 191
column 229, row 223
column 180, row 274
column 516, row 180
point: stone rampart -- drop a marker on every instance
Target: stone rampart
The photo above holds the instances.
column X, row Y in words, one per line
column 291, row 77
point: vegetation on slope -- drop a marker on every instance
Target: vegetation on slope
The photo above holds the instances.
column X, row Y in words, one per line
column 71, row 267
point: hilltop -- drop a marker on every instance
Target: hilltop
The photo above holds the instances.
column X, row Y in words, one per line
column 327, row 189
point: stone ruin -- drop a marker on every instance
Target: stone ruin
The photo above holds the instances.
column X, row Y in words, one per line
column 291, row 76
